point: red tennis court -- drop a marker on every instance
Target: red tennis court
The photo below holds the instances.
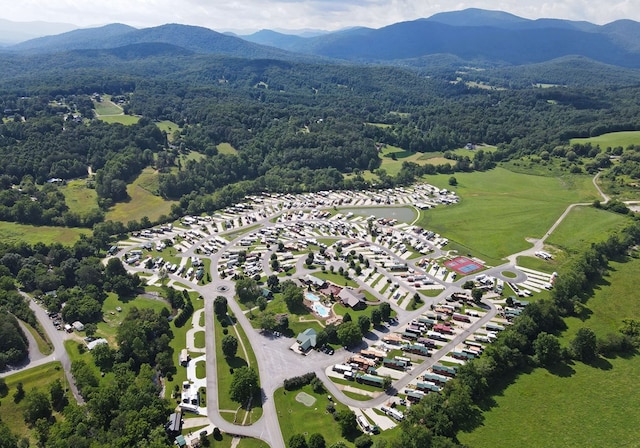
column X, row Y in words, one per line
column 463, row 265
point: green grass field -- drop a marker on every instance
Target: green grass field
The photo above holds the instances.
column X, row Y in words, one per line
column 583, row 226
column 143, row 201
column 296, row 418
column 106, row 107
column 168, row 126
column 593, row 407
column 111, row 318
column 500, row 208
column 599, row 400
column 11, row 232
column 226, row 148
column 37, row 378
column 126, row 120
column 611, row 139
column 78, row 197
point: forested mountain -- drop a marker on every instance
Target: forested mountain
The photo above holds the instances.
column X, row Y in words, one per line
column 474, row 35
column 191, row 38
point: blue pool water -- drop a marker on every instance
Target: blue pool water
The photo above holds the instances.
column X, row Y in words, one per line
column 312, row 297
column 322, row 310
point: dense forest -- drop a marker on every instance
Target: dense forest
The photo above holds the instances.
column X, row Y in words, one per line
column 295, row 126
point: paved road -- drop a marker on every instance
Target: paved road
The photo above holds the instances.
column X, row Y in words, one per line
column 57, row 338
column 276, row 362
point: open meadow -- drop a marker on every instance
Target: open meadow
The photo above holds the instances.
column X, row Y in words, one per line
column 499, row 209
column 11, row 232
column 79, row 198
column 143, row 201
column 600, row 399
column 585, row 225
column 612, row 139
column 37, row 378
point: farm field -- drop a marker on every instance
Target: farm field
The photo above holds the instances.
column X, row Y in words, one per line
column 498, row 203
column 583, row 226
column 143, row 202
column 612, row 139
column 79, row 198
column 11, row 232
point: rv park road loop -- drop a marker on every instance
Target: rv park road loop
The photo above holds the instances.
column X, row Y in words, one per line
column 275, row 361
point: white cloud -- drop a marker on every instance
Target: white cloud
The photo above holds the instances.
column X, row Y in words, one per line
column 296, row 14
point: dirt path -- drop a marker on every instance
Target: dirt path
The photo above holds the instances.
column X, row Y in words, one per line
column 605, row 198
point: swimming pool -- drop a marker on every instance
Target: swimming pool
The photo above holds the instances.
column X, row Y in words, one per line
column 312, row 297
column 322, row 310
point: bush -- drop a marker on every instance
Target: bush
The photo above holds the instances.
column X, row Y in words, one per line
column 297, row 382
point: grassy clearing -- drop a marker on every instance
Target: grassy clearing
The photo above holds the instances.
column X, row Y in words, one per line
column 498, row 203
column 106, row 106
column 126, row 120
column 611, row 139
column 615, row 298
column 111, row 318
column 585, row 225
column 11, row 232
column 335, row 278
column 602, row 403
column 296, row 418
column 142, row 202
column 226, row 148
column 37, row 378
column 169, row 127
column 79, row 198
column 600, row 400
column 538, row 264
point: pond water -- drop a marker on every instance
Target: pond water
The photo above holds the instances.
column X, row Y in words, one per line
column 404, row 214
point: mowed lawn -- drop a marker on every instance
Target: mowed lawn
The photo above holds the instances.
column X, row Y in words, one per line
column 585, row 225
column 593, row 406
column 297, row 418
column 78, row 197
column 11, row 232
column 500, row 208
column 143, row 201
column 612, row 139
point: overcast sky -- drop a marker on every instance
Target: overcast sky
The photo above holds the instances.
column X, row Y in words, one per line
column 297, row 14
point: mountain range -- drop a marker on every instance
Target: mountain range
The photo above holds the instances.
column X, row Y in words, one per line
column 472, row 35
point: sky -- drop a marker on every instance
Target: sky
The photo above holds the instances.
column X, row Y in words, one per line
column 253, row 15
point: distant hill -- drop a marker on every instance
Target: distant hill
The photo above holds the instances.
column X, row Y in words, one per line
column 478, row 35
column 13, row 32
column 488, row 38
column 191, row 38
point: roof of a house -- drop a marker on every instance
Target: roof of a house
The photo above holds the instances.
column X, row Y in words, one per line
column 307, row 339
column 351, row 297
